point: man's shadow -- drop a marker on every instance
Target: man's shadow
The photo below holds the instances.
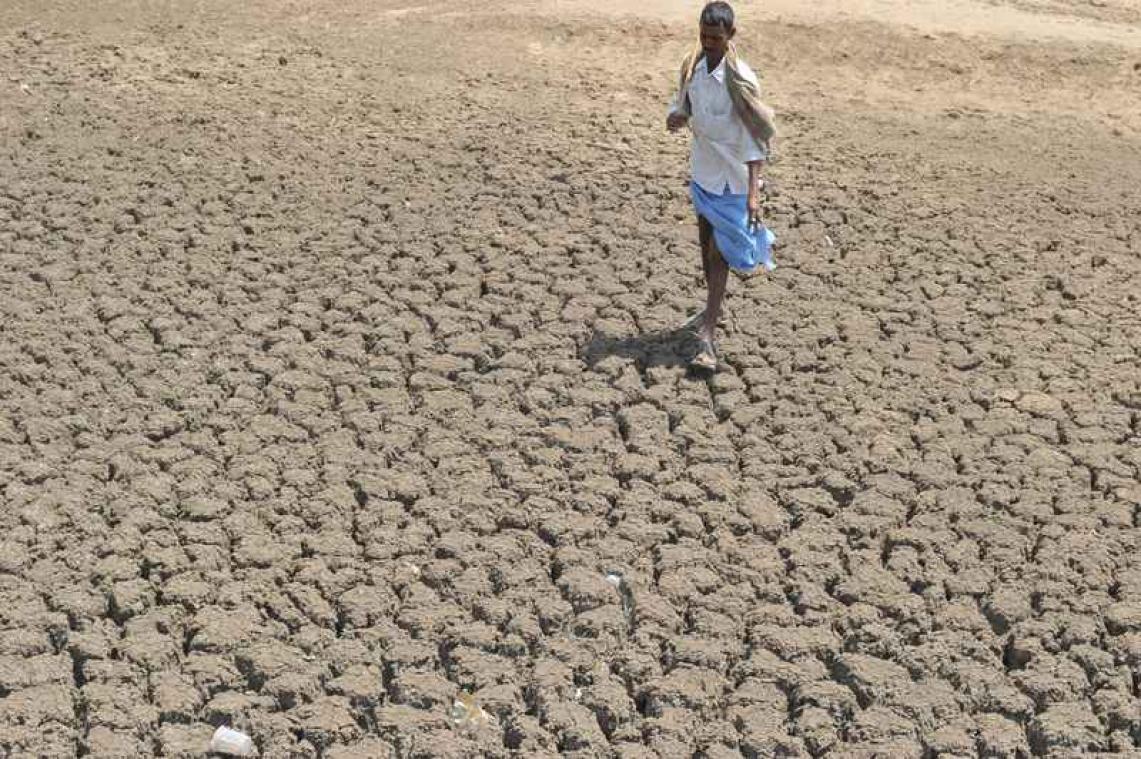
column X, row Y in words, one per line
column 671, row 347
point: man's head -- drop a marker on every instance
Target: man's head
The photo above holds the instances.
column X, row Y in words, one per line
column 716, row 28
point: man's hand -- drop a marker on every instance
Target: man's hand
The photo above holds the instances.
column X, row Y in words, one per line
column 756, row 184
column 676, row 121
column 754, row 206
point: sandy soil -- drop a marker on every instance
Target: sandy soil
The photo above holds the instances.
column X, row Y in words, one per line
column 337, row 372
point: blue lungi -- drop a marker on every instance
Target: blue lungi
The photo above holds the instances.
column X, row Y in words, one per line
column 743, row 247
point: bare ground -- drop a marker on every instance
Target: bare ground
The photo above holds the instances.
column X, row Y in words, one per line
column 338, row 371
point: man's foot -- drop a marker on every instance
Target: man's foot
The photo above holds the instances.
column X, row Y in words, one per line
column 706, row 358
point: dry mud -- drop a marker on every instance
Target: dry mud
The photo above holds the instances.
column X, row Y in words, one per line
column 337, row 371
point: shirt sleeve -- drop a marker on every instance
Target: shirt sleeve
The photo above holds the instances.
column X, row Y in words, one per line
column 750, row 150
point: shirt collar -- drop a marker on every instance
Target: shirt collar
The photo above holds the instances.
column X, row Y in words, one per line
column 717, row 73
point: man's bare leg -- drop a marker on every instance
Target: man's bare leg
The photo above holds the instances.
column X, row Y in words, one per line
column 716, row 277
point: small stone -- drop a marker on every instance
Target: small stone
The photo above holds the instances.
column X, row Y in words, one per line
column 1038, row 404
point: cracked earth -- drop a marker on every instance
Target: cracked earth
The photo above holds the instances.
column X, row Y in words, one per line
column 338, row 370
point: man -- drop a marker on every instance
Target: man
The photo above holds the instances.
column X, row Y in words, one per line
column 719, row 98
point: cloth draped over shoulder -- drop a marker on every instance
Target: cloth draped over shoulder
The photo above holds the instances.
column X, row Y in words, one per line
column 757, row 117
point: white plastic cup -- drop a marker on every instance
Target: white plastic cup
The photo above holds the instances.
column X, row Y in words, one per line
column 232, row 742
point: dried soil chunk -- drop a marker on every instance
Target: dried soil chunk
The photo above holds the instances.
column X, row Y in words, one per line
column 1066, row 729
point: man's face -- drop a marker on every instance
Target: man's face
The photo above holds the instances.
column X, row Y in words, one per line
column 715, row 39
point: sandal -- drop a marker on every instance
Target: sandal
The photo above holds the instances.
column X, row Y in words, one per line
column 694, row 323
column 706, row 358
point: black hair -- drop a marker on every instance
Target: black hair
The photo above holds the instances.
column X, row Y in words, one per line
column 717, row 14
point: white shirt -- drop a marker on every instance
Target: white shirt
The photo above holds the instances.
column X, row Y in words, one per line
column 722, row 145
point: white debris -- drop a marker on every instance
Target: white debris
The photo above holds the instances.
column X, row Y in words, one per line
column 626, row 594
column 232, row 742
column 466, row 712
